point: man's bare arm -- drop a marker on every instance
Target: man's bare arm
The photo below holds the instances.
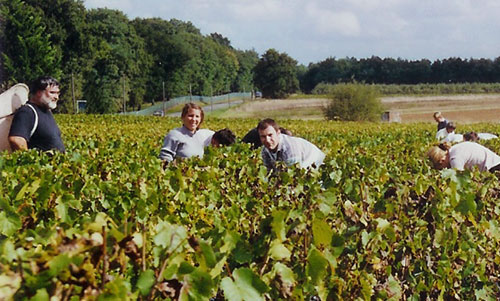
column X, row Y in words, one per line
column 18, row 143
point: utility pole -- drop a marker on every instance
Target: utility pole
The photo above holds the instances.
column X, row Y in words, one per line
column 73, row 93
column 211, row 99
column 163, row 85
column 190, row 94
column 124, row 103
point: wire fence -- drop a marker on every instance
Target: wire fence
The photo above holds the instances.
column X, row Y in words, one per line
column 162, row 106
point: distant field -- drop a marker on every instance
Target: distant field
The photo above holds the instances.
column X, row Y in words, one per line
column 459, row 108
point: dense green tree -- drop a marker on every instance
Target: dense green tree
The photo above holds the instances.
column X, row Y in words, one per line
column 28, row 52
column 65, row 21
column 247, row 60
column 2, row 43
column 276, row 74
column 354, row 102
column 220, row 39
column 186, row 61
column 119, row 56
column 170, row 53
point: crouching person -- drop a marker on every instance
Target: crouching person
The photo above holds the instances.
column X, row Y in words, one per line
column 288, row 149
column 224, row 137
column 465, row 155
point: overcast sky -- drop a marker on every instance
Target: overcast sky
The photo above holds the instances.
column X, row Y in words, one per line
column 313, row 30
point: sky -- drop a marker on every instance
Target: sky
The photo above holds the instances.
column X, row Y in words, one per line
column 311, row 31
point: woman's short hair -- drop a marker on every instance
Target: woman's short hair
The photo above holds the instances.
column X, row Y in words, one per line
column 194, row 106
column 437, row 152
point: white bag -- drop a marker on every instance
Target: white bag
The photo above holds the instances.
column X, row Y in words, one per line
column 10, row 101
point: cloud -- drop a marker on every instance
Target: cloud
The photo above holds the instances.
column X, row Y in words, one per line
column 327, row 21
column 313, row 30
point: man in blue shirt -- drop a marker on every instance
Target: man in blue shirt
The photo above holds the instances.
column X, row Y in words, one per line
column 33, row 125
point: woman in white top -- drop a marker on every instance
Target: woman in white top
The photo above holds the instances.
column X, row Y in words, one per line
column 465, row 155
column 188, row 140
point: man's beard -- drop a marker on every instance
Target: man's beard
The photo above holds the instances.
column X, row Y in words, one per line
column 52, row 105
column 49, row 103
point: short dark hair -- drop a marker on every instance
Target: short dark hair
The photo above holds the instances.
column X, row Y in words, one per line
column 224, row 137
column 451, row 125
column 471, row 136
column 42, row 83
column 265, row 123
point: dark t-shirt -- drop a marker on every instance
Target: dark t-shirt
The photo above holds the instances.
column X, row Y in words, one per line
column 253, row 138
column 442, row 124
column 47, row 135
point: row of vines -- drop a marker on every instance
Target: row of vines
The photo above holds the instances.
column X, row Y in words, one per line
column 107, row 221
column 422, row 89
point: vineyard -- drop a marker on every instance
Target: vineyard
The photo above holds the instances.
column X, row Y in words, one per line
column 107, row 221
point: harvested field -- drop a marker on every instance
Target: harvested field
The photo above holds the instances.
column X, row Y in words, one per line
column 459, row 108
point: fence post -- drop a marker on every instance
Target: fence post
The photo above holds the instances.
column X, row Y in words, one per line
column 164, row 109
column 211, row 99
column 124, row 102
column 73, row 94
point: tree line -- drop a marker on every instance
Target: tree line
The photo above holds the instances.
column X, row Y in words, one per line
column 104, row 57
column 110, row 58
column 376, row 70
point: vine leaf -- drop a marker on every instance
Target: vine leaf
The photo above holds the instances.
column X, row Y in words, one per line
column 146, row 282
column 246, row 286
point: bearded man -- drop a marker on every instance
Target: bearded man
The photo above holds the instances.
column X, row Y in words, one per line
column 33, row 125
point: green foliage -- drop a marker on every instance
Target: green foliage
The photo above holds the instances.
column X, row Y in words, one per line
column 354, row 102
column 246, row 61
column 389, row 71
column 420, row 89
column 28, row 52
column 374, row 222
column 276, row 75
column 121, row 57
column 185, row 62
column 65, row 22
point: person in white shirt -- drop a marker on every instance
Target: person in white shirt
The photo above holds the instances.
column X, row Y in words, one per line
column 465, row 155
column 188, row 140
column 288, row 149
column 441, row 134
column 474, row 137
column 447, row 134
column 453, row 138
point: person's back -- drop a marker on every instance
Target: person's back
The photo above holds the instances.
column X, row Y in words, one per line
column 468, row 154
column 301, row 151
column 486, row 136
column 34, row 125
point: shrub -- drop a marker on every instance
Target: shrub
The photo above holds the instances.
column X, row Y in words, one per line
column 354, row 102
